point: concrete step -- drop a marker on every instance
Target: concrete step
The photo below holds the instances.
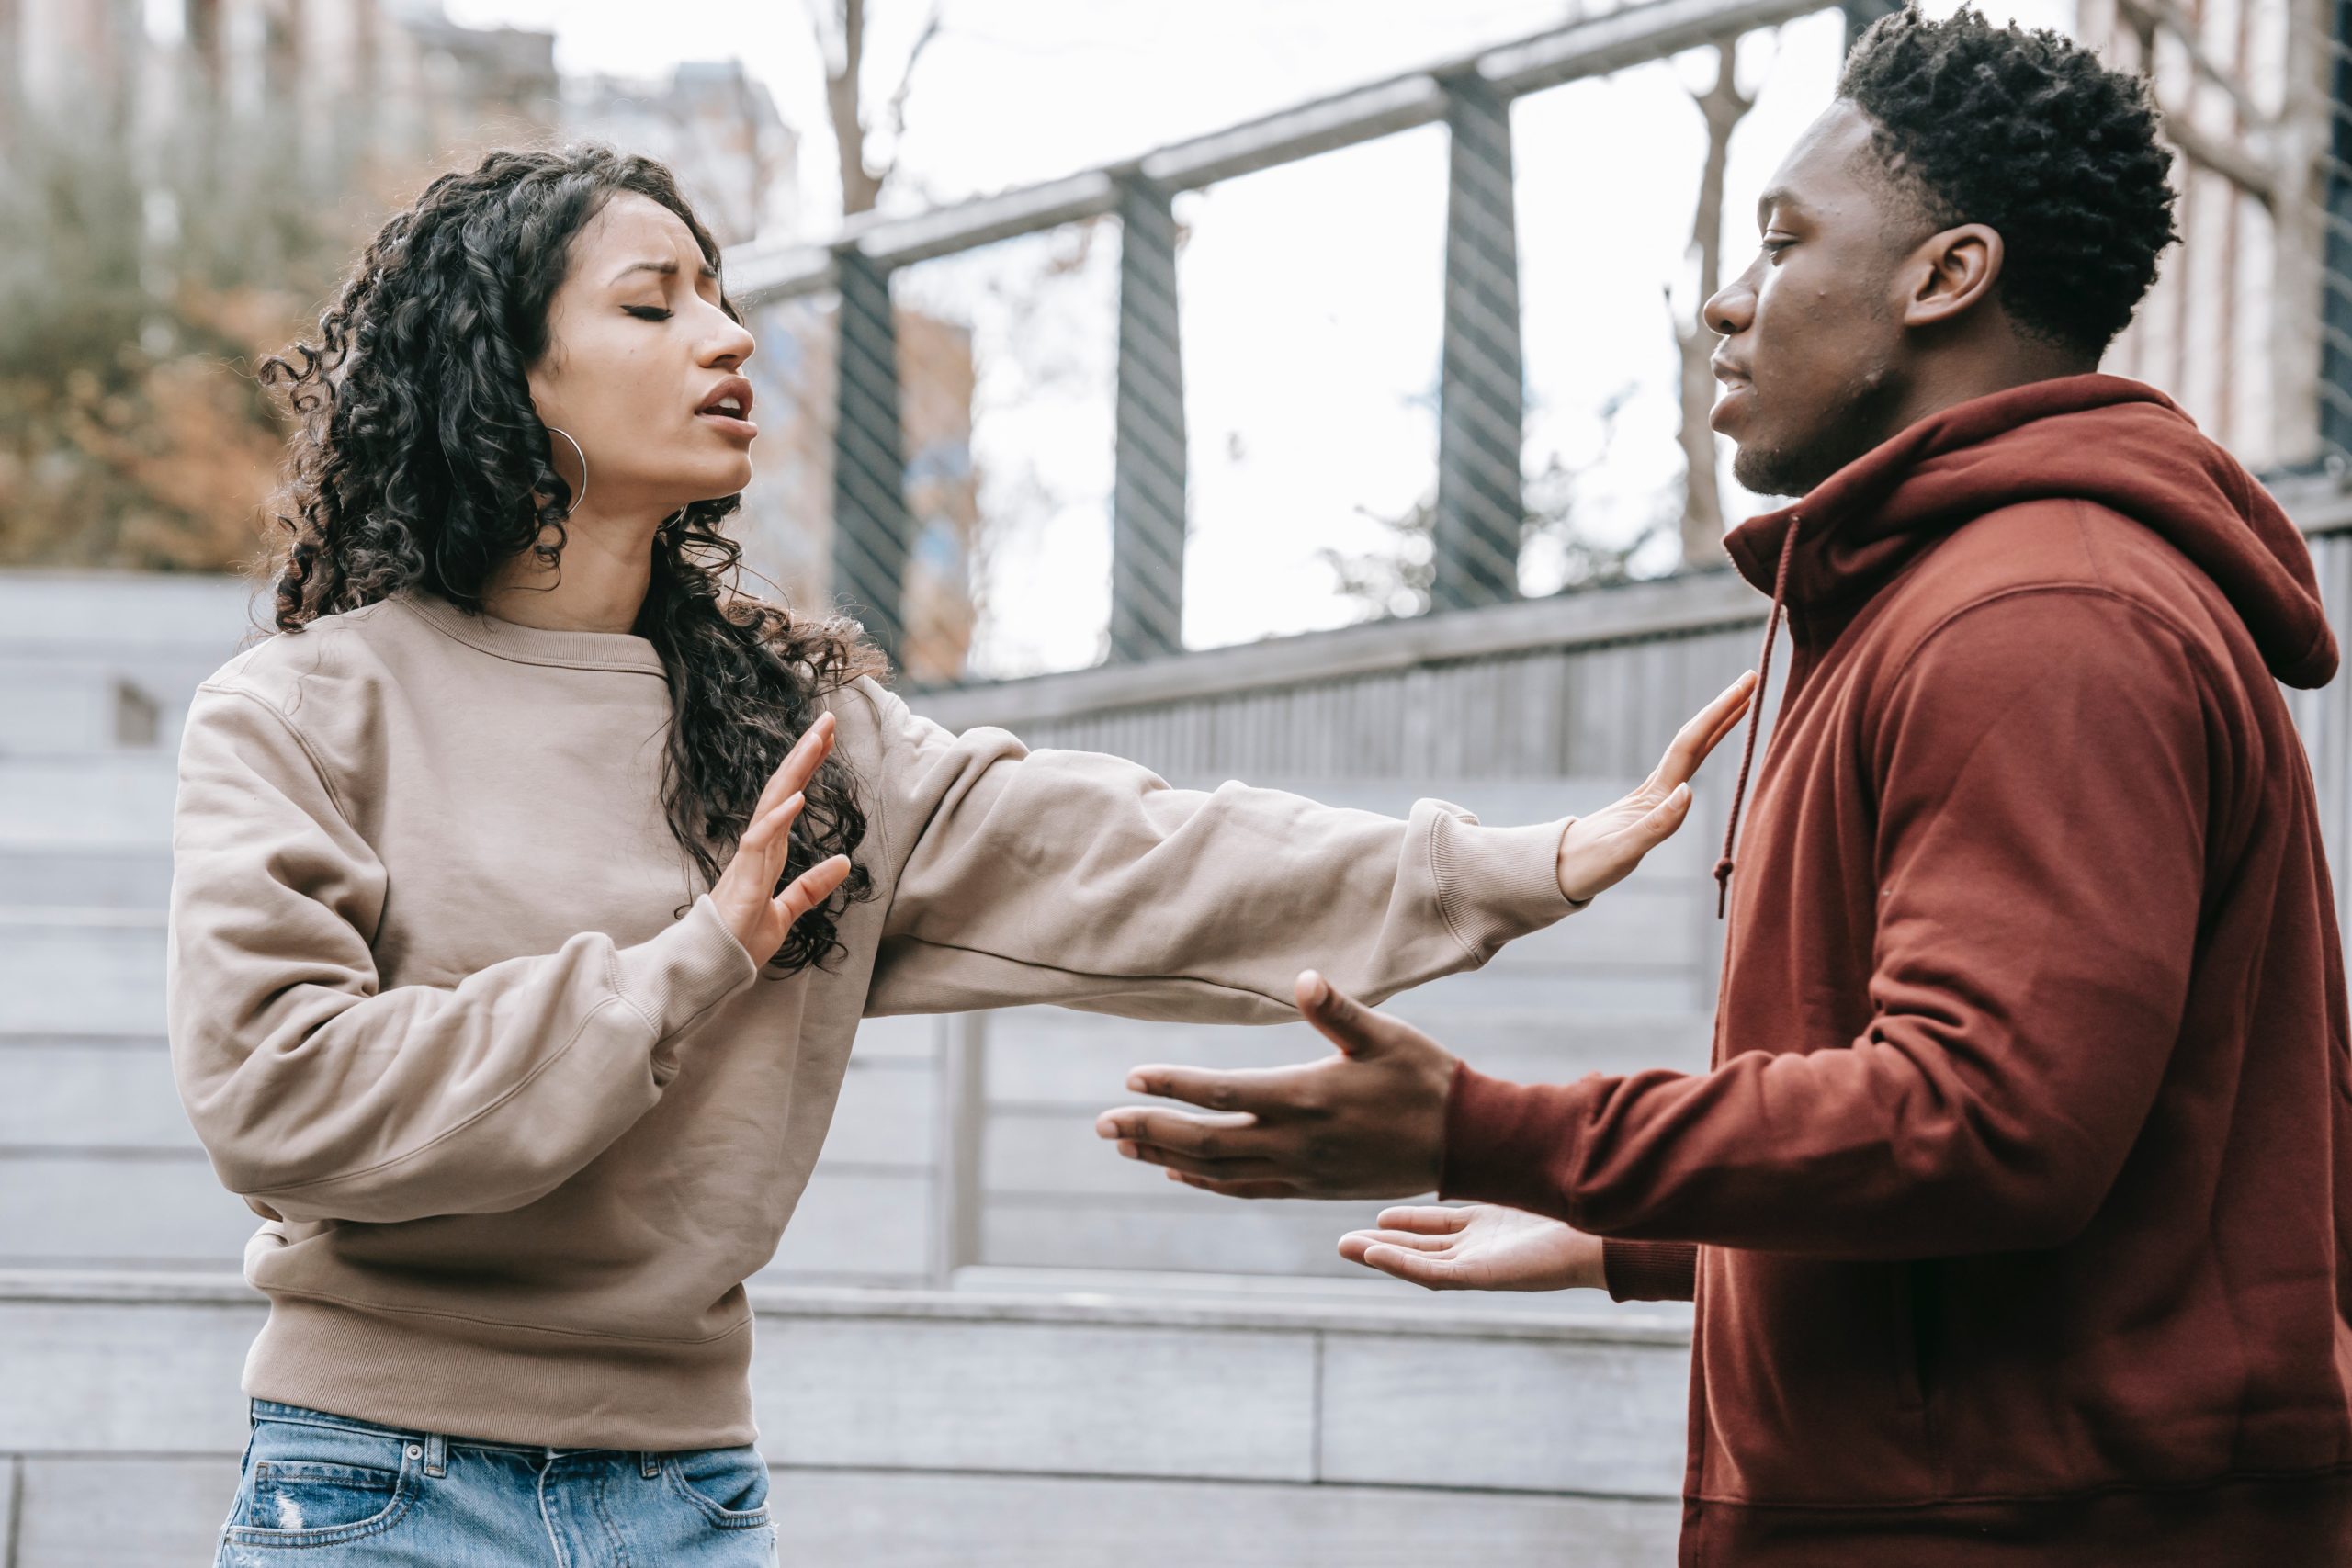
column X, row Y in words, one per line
column 118, row 798
column 97, row 661
column 100, row 874
column 80, row 971
column 914, row 1428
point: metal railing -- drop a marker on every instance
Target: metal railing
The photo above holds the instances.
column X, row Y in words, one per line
column 1479, row 509
column 2276, row 385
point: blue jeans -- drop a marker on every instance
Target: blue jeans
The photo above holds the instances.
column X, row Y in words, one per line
column 331, row 1492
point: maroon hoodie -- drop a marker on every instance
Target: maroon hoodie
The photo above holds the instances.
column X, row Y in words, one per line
column 2021, row 1185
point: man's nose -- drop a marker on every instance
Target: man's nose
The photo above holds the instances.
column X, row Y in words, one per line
column 1731, row 309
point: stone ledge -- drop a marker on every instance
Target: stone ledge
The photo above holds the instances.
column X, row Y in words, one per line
column 1591, row 1325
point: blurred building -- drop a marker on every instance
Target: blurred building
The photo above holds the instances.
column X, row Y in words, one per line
column 2239, row 323
column 238, row 151
column 717, row 129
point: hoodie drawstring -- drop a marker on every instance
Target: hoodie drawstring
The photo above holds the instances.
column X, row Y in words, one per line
column 1755, row 716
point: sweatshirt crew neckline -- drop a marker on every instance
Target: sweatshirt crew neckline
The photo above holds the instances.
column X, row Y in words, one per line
column 520, row 644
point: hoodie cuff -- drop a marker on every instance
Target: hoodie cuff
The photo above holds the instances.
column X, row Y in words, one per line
column 676, row 977
column 1650, row 1270
column 1503, row 1140
column 1498, row 884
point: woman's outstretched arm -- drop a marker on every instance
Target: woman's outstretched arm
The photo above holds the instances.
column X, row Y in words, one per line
column 1081, row 879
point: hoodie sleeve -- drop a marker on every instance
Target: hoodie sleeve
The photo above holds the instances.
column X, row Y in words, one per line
column 2043, row 784
column 1081, row 879
column 319, row 1094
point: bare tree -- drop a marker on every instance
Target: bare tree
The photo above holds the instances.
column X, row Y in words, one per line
column 841, row 28
column 1723, row 106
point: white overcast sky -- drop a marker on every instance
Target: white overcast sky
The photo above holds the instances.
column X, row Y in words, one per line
column 1311, row 293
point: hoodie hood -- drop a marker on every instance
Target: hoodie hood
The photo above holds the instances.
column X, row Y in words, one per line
column 2116, row 442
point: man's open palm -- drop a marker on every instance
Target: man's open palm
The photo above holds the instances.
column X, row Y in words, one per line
column 1481, row 1247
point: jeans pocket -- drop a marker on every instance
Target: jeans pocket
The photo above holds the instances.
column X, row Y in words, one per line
column 316, row 1483
column 729, row 1485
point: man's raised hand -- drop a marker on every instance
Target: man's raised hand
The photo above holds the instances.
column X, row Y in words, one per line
column 1367, row 1122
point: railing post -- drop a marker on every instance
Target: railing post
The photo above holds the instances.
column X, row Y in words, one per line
column 871, row 525
column 2335, row 266
column 1481, row 397
column 962, row 1067
column 1148, row 485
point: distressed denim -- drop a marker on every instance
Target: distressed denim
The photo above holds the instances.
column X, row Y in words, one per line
column 328, row 1491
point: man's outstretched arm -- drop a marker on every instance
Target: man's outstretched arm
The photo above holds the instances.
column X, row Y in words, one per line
column 2042, row 854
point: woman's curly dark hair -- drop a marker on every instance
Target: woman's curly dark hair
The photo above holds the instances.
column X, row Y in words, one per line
column 418, row 456
column 2029, row 134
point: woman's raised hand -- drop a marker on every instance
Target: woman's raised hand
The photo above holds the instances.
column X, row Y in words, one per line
column 761, row 921
column 1599, row 850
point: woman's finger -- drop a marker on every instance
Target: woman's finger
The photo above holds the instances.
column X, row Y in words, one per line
column 1429, row 1219
column 1693, row 742
column 801, row 763
column 811, row 888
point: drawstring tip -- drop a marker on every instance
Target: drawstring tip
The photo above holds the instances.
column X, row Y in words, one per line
column 1722, row 886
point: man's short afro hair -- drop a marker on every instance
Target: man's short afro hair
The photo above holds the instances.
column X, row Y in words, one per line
column 2028, row 134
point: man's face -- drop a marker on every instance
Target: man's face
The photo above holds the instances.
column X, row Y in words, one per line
column 1815, row 355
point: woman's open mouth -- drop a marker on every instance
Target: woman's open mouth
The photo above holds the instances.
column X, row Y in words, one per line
column 727, row 408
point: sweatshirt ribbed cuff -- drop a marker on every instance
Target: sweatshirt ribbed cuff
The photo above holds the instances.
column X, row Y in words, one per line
column 1650, row 1270
column 1498, row 884
column 1503, row 1141
column 677, row 976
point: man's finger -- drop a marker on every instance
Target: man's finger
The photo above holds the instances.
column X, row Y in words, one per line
column 1410, row 1240
column 1238, row 1189
column 1418, row 1268
column 1237, row 1167
column 1243, row 1089
column 1201, row 1137
column 1429, row 1219
column 1346, row 1022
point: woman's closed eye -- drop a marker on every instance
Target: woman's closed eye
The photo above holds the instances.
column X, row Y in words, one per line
column 647, row 313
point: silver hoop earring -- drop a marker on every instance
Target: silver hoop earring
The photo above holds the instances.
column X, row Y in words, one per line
column 584, row 470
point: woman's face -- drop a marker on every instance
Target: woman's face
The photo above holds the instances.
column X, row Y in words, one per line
column 640, row 359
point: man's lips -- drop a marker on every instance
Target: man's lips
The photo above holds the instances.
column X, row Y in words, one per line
column 1735, row 390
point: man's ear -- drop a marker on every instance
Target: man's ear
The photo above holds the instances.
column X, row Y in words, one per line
column 1952, row 274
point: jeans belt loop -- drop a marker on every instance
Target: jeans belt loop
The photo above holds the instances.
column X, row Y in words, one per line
column 651, row 1462
column 437, row 1454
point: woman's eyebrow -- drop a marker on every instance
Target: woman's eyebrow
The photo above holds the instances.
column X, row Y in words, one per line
column 666, row 268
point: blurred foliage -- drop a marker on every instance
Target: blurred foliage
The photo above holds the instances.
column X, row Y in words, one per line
column 1395, row 576
column 138, row 293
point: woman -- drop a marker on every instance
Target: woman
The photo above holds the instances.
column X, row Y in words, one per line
column 529, row 887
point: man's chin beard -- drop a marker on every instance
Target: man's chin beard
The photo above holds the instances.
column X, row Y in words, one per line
column 1861, row 421
column 1783, row 471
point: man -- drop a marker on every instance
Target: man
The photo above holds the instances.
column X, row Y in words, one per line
column 2017, row 1204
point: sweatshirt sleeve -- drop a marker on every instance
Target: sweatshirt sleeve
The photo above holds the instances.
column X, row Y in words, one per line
column 2044, row 777
column 1085, row 880
column 320, row 1095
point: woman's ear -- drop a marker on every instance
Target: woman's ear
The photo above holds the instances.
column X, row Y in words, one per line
column 1952, row 272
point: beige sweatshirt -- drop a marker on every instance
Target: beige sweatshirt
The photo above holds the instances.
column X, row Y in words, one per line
column 519, row 1133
